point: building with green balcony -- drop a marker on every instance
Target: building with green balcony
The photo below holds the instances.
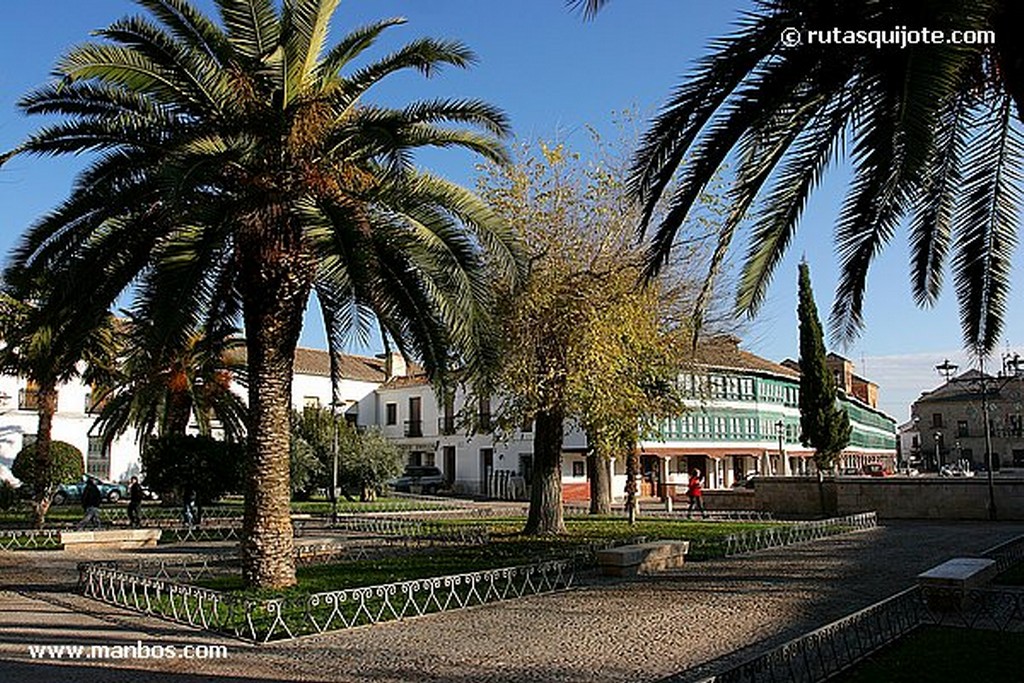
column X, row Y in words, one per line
column 743, row 417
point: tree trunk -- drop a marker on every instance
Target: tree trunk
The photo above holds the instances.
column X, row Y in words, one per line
column 632, row 470
column 821, row 492
column 545, row 516
column 276, row 279
column 599, row 468
column 178, row 413
column 43, row 485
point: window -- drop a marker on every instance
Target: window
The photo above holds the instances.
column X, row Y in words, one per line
column 429, row 459
column 310, row 402
column 484, row 414
column 97, row 460
column 391, row 413
column 961, row 428
column 936, row 419
column 578, row 468
column 415, row 459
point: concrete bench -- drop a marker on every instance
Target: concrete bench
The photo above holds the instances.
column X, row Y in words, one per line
column 945, row 587
column 110, row 539
column 642, row 558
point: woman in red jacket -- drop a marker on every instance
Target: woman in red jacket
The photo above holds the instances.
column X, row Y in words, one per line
column 695, row 495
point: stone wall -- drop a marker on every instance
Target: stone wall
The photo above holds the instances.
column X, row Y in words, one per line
column 893, row 497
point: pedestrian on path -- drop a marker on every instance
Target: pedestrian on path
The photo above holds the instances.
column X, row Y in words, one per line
column 695, row 494
column 91, row 500
column 135, row 503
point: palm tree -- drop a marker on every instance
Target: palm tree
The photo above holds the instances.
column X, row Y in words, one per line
column 934, row 138
column 239, row 160
column 50, row 347
column 158, row 391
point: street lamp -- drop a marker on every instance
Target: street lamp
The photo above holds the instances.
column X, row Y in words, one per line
column 780, row 429
column 948, row 369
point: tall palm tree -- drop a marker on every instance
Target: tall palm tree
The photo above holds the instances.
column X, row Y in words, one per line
column 50, row 347
column 933, row 132
column 238, row 159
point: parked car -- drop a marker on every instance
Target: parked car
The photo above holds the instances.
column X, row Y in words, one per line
column 746, row 482
column 876, row 469
column 72, row 493
column 419, row 478
column 955, row 471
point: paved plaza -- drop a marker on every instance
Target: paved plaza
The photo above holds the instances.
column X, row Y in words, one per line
column 695, row 619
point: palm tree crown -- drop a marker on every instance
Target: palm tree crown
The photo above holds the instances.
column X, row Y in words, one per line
column 932, row 130
column 239, row 161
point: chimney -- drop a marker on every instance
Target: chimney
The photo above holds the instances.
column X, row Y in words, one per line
column 394, row 365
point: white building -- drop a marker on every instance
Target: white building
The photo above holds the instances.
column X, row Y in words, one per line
column 73, row 422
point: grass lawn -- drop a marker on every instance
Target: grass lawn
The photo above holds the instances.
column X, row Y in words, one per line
column 935, row 653
column 508, row 547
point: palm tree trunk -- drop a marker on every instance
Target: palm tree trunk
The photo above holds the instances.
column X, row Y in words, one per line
column 47, row 407
column 179, row 411
column 545, row 516
column 275, row 291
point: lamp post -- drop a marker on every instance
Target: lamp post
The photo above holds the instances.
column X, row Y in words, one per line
column 947, row 369
column 780, row 430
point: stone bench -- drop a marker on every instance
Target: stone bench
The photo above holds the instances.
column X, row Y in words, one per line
column 109, row 539
column 945, row 587
column 642, row 558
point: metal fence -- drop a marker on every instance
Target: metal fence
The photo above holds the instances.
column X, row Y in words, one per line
column 264, row 620
column 796, row 532
column 30, row 539
column 415, row 529
column 830, row 649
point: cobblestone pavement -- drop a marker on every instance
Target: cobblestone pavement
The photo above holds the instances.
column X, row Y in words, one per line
column 698, row 618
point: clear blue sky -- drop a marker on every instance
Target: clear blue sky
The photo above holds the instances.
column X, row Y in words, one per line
column 552, row 73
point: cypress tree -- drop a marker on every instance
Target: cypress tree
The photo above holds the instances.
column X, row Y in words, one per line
column 823, row 425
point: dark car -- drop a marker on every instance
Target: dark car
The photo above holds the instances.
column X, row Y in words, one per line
column 419, row 479
column 72, row 493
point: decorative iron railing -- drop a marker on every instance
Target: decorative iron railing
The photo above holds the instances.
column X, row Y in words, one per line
column 461, row 534
column 264, row 620
column 827, row 651
column 797, row 532
column 34, row 539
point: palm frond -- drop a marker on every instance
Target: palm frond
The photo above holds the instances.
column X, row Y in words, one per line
column 985, row 225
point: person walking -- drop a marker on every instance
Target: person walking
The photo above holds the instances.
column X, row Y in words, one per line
column 695, row 494
column 91, row 500
column 135, row 503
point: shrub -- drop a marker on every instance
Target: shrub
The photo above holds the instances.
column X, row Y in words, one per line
column 66, row 464
column 8, row 495
column 209, row 467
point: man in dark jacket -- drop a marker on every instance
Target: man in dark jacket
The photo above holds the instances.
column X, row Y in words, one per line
column 91, row 500
column 135, row 503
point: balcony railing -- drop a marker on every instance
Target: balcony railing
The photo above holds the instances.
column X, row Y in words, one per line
column 414, row 427
column 446, row 425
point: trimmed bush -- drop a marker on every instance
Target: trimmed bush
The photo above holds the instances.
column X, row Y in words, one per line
column 66, row 464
